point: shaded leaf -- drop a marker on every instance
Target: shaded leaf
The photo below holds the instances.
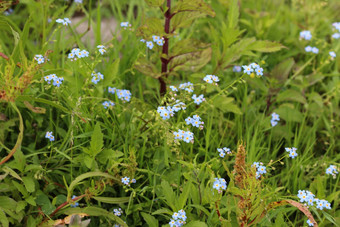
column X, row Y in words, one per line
column 291, row 95
column 112, row 200
column 29, row 184
column 150, row 220
column 154, row 3
column 147, row 68
column 266, row 46
column 97, row 141
column 233, row 14
column 192, row 5
column 152, row 26
column 288, row 113
column 191, row 61
column 282, row 70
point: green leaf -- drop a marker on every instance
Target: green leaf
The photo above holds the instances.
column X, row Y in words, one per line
column 196, row 224
column 289, row 113
column 155, row 3
column 265, row 46
column 163, row 211
column 226, row 104
column 31, row 200
column 94, row 211
column 193, row 61
column 282, row 70
column 112, row 200
column 150, row 220
column 192, row 6
column 184, row 196
column 111, row 72
column 97, row 141
column 170, row 196
column 152, row 26
column 3, row 218
column 45, row 203
column 236, row 51
column 20, row 206
column 88, row 175
column 29, row 184
column 7, row 203
column 147, row 68
column 233, row 14
column 291, row 95
column 187, row 46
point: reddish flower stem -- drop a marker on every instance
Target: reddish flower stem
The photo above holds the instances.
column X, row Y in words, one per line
column 165, row 51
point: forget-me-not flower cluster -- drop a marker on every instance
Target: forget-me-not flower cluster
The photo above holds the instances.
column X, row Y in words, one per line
column 220, row 184
column 188, row 86
column 76, row 203
column 107, row 104
column 292, row 151
column 332, row 54
column 195, row 121
column 169, row 111
column 77, row 53
column 64, row 21
column 198, row 99
column 124, row 95
column 118, row 212
column 178, row 219
column 96, row 77
column 275, row 119
column 309, row 199
column 253, row 68
column 307, row 35
column 186, row 136
column 125, row 25
column 260, row 169
column 49, row 136
column 312, row 49
column 101, row 49
column 39, row 58
column 211, row 79
column 223, row 151
column 332, row 170
column 336, row 26
column 56, row 81
column 237, row 69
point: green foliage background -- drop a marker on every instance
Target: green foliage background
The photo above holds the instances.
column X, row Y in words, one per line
column 95, row 147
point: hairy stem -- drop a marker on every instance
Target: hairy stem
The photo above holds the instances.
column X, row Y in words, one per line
column 165, row 51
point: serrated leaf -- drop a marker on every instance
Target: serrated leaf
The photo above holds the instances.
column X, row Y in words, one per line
column 233, row 14
column 184, row 19
column 265, row 46
column 29, row 184
column 3, row 218
column 147, row 68
column 7, row 203
column 193, row 5
column 191, row 61
column 234, row 53
column 184, row 196
column 186, row 46
column 150, row 220
column 31, row 200
column 97, row 141
column 20, row 206
column 112, row 200
column 152, row 26
column 282, row 70
column 111, row 73
column 154, row 3
column 291, row 95
column 170, row 196
column 288, row 113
